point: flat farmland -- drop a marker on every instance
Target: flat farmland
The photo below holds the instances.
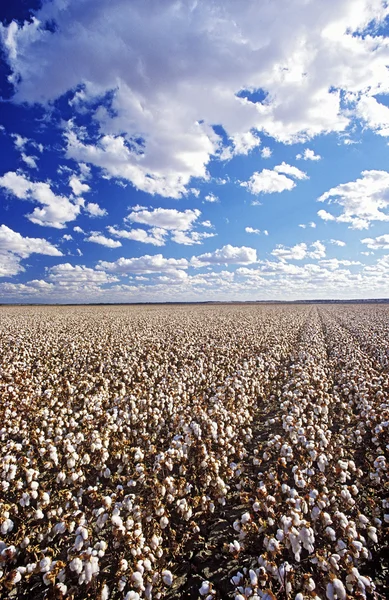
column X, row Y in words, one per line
column 212, row 452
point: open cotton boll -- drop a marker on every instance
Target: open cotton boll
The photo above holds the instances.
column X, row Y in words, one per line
column 167, row 577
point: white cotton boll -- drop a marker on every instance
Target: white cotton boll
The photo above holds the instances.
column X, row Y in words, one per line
column 372, row 533
column 234, row 547
column 88, row 572
column 235, row 579
column 245, row 518
column 330, row 593
column 62, row 587
column 104, row 592
column 147, row 564
column 132, row 595
column 137, row 579
column 330, row 533
column 79, row 542
column 310, row 584
column 239, row 597
column 205, row 588
column 299, row 596
column 339, row 589
column 167, row 577
column 253, row 578
column 123, row 565
column 7, row 526
column 45, row 564
column 39, row 514
column 76, row 565
column 164, row 522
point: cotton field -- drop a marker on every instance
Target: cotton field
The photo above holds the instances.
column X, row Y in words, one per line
column 205, row 452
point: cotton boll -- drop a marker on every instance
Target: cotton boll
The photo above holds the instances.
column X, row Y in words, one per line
column 167, row 577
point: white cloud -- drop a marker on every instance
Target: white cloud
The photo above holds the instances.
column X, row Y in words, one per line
column 206, row 224
column 78, row 229
column 67, row 237
column 290, row 170
column 374, row 114
column 252, row 230
column 326, row 216
column 166, row 218
column 334, row 263
column 275, row 181
column 211, row 198
column 163, row 224
column 379, row 243
column 30, row 161
column 94, row 210
column 144, row 265
column 98, row 238
column 157, row 128
column 14, row 247
column 268, row 182
column 308, row 155
column 155, row 236
column 317, row 250
column 242, row 143
column 78, row 187
column 266, row 152
column 297, row 252
column 300, row 251
column 338, row 242
column 226, row 255
column 361, row 201
column 189, row 238
column 56, row 210
column 311, row 224
column 19, row 141
column 67, row 275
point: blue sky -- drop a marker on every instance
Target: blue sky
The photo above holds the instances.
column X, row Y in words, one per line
column 190, row 151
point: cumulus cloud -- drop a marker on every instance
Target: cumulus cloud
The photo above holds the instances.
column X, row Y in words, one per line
column 228, row 254
column 78, row 276
column 379, row 243
column 189, row 238
column 361, row 201
column 30, row 161
column 300, row 251
column 374, row 114
column 164, row 224
column 167, row 218
column 273, row 181
column 338, row 242
column 211, row 198
column 308, row 155
column 311, row 224
column 155, row 128
column 155, row 235
column 94, row 210
column 266, row 152
column 14, row 247
column 297, row 252
column 144, row 265
column 290, row 170
column 242, row 143
column 252, row 230
column 78, row 187
column 56, row 210
column 98, row 238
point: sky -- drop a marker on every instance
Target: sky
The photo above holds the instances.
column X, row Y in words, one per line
column 158, row 151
